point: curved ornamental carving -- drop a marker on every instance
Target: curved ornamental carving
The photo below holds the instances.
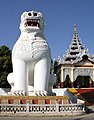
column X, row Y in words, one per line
column 83, row 72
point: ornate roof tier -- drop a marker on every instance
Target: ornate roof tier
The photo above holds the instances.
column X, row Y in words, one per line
column 76, row 51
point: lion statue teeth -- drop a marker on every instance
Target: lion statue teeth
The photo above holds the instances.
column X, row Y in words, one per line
column 31, row 58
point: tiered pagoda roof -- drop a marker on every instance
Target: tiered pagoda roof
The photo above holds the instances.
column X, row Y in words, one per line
column 76, row 51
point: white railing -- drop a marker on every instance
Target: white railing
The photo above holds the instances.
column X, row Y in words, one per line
column 42, row 108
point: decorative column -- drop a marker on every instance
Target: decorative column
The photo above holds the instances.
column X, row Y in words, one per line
column 62, row 78
column 72, row 76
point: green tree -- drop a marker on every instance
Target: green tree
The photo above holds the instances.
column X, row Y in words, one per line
column 5, row 66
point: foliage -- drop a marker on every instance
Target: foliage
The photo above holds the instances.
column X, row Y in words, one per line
column 5, row 66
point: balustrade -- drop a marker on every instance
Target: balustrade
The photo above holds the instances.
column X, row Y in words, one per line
column 42, row 108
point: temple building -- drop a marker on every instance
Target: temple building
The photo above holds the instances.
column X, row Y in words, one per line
column 76, row 68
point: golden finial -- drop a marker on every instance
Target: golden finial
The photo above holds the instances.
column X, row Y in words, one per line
column 75, row 28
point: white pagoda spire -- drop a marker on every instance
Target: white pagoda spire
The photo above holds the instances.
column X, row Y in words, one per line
column 75, row 49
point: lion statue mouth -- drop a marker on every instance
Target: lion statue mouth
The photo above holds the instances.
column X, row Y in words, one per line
column 32, row 23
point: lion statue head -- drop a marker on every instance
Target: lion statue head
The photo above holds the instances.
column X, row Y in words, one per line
column 32, row 21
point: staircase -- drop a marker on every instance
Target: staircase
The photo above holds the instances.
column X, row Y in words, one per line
column 86, row 94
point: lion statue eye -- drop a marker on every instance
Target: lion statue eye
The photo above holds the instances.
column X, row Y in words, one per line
column 35, row 14
column 29, row 14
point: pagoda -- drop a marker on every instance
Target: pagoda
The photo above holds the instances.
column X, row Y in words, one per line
column 76, row 68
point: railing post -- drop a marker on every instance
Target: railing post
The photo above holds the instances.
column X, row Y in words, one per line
column 27, row 107
column 57, row 107
column 84, row 107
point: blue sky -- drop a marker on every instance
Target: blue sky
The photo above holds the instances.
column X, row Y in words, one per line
column 59, row 15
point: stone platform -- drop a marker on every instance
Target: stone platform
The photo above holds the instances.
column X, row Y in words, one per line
column 34, row 99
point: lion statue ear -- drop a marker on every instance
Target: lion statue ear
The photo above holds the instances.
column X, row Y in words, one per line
column 23, row 15
column 22, row 20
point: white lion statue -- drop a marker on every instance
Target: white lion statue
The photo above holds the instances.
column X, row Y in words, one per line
column 31, row 58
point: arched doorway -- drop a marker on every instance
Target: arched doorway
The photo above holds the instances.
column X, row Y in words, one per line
column 67, row 82
column 82, row 82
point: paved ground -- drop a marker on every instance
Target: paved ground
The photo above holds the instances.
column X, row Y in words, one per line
column 54, row 117
column 82, row 117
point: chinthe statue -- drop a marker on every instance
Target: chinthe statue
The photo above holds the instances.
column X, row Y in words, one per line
column 31, row 59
